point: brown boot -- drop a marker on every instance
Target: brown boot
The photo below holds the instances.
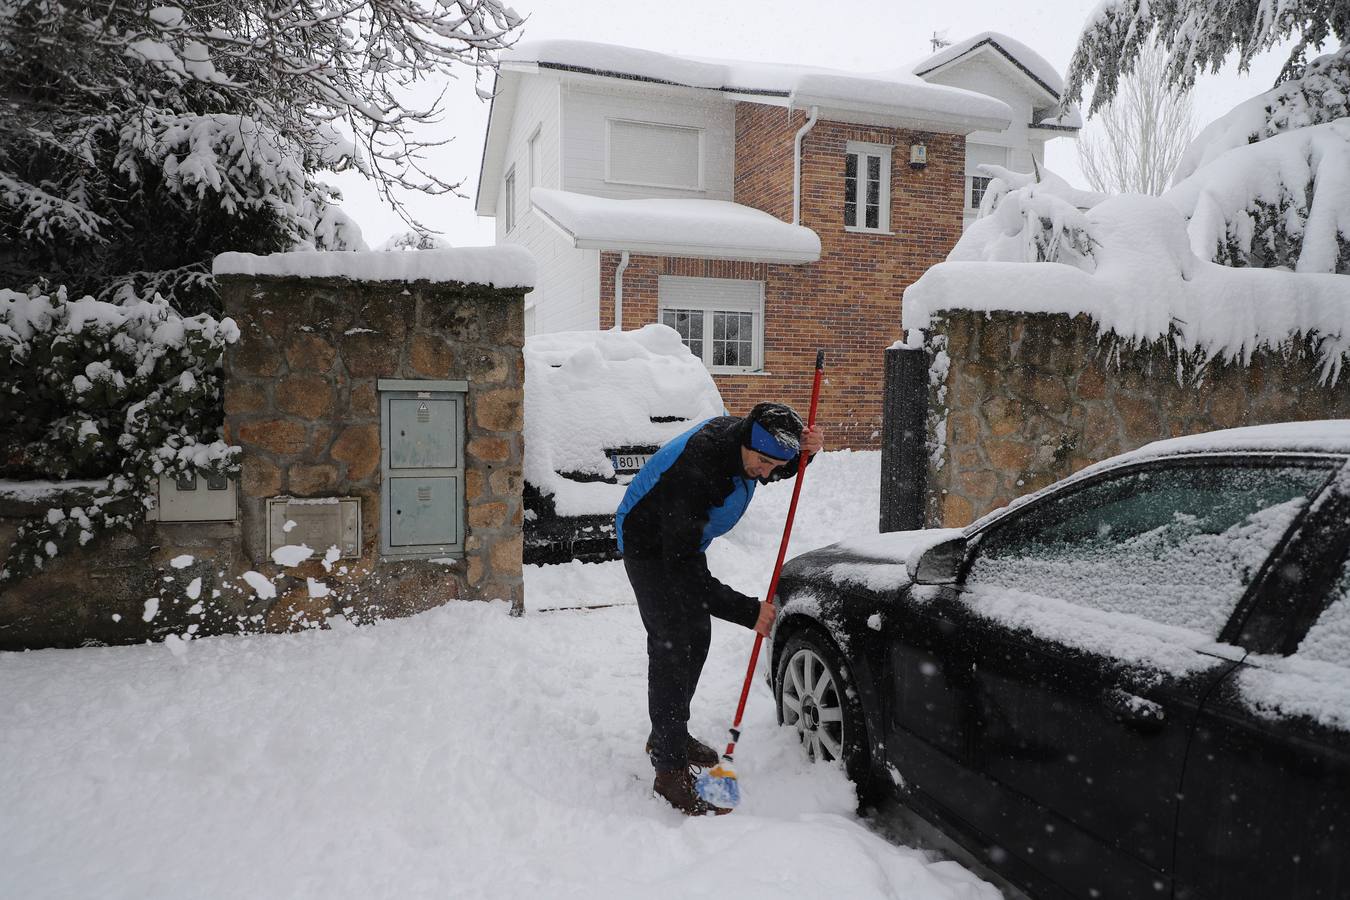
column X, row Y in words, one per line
column 700, row 754
column 677, row 789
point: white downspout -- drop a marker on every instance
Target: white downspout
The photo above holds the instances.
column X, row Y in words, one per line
column 618, row 291
column 797, row 166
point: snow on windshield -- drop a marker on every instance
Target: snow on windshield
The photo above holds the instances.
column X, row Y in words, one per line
column 1175, row 548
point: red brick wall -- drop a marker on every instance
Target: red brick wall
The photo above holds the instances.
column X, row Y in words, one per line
column 848, row 303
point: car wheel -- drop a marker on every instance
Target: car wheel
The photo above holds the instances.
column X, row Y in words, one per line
column 815, row 696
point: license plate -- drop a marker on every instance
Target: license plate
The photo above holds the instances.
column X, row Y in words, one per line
column 628, row 463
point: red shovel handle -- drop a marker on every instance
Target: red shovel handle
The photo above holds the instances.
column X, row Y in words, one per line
column 777, row 566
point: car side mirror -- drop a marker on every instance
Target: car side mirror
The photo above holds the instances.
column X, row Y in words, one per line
column 940, row 563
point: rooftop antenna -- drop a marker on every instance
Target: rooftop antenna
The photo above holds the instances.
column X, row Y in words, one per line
column 939, row 40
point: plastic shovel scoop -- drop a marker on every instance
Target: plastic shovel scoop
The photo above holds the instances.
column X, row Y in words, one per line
column 719, row 786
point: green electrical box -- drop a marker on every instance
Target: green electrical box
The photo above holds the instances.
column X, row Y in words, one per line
column 422, row 462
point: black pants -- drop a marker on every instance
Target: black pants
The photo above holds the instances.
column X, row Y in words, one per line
column 678, row 631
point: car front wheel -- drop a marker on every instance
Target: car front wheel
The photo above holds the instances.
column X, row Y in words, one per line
column 815, row 696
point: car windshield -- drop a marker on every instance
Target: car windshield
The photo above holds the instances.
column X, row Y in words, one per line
column 1175, row 545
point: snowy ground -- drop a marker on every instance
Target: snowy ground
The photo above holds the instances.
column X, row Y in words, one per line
column 460, row 753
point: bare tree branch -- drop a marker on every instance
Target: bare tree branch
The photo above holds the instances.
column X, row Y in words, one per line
column 1134, row 144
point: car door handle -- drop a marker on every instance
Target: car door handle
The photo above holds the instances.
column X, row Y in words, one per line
column 1134, row 711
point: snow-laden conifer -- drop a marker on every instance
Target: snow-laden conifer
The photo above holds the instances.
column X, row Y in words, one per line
column 137, row 141
column 125, row 391
column 1198, row 35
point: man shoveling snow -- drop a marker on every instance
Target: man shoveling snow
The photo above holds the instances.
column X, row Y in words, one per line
column 693, row 490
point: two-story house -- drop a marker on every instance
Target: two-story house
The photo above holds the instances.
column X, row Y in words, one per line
column 763, row 211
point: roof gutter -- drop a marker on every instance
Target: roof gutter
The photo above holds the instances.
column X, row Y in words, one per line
column 797, row 165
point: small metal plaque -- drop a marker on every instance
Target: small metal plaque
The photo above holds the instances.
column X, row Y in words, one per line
column 317, row 524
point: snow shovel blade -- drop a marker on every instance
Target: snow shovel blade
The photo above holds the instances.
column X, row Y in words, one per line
column 719, row 787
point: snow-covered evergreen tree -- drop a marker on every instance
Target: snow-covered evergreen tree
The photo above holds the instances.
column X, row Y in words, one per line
column 1268, row 184
column 1198, row 35
column 137, row 140
column 129, row 391
column 1029, row 218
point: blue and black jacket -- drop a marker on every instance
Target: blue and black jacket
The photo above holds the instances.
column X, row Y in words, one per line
column 691, row 491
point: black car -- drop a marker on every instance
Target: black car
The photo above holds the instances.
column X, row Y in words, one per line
column 1134, row 683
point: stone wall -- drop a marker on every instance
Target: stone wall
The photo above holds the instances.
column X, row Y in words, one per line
column 300, row 397
column 1018, row 401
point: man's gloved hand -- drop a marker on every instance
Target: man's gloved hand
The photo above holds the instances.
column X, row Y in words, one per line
column 767, row 613
column 813, row 440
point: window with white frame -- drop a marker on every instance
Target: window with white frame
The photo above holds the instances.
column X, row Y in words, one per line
column 867, row 187
column 978, row 185
column 509, row 198
column 977, row 182
column 654, row 155
column 534, row 159
column 720, row 320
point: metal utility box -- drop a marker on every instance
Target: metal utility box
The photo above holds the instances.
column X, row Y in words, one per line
column 422, row 464
column 318, row 523
column 197, row 498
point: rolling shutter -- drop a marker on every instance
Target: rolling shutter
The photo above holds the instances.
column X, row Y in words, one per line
column 984, row 154
column 657, row 155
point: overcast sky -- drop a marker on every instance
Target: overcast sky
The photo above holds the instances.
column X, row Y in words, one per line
column 857, row 35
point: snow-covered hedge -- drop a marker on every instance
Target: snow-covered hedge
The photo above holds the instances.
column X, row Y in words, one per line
column 94, row 389
column 1144, row 284
column 1026, row 219
column 1268, row 184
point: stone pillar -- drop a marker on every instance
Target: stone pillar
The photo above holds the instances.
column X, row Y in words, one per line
column 301, row 398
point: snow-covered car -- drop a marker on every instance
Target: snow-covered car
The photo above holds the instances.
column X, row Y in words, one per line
column 598, row 404
column 1133, row 683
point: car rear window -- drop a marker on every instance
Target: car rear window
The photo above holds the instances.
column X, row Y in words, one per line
column 1177, row 546
column 1314, row 682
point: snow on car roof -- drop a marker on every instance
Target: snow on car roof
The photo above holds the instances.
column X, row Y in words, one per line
column 1318, row 436
column 690, row 227
column 589, row 392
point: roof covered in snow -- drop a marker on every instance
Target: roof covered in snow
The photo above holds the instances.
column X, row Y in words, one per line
column 703, row 228
column 1035, row 66
column 894, row 98
column 898, row 95
column 503, row 267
